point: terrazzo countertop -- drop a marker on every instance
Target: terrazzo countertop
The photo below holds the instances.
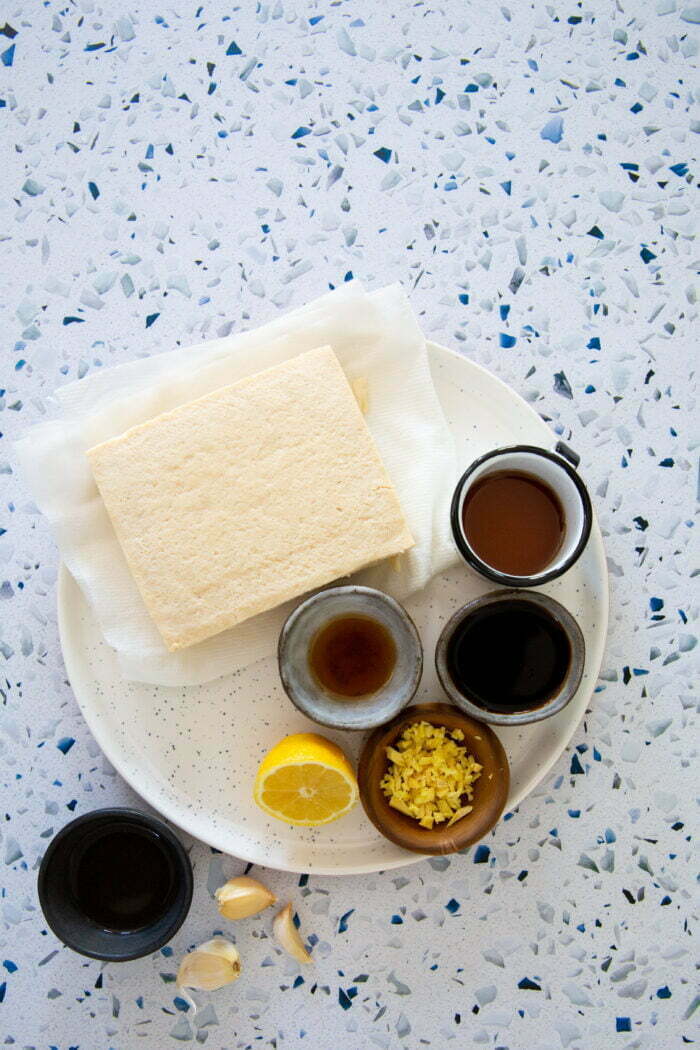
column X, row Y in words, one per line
column 172, row 173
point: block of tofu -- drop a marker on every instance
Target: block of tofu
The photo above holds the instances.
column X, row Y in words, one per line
column 254, row 494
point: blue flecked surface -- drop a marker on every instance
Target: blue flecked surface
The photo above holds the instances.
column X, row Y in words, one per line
column 173, row 173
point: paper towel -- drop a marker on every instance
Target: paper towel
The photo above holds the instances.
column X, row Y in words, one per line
column 375, row 336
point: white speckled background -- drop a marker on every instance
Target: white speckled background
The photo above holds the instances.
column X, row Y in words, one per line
column 528, row 171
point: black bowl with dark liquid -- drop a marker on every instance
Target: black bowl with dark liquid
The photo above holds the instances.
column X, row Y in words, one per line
column 115, row 884
column 511, row 658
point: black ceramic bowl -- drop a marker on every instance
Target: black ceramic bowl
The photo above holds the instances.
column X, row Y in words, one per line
column 60, row 874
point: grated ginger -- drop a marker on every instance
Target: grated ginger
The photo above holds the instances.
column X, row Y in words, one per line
column 430, row 775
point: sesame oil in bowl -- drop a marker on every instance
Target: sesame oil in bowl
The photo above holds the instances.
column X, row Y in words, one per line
column 352, row 656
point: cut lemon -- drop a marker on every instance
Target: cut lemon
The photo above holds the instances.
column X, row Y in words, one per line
column 305, row 780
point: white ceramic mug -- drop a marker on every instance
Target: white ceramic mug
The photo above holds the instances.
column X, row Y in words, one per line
column 554, row 469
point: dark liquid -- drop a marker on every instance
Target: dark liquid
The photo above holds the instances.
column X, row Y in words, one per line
column 513, row 522
column 122, row 880
column 508, row 657
column 352, row 656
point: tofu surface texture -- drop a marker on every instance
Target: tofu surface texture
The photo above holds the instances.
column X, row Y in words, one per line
column 254, row 494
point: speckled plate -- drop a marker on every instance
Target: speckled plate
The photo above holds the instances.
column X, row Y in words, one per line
column 192, row 752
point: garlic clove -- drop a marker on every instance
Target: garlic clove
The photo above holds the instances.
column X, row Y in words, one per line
column 211, row 966
column 287, row 935
column 241, row 897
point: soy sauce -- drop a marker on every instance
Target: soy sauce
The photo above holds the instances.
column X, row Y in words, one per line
column 508, row 657
column 122, row 880
column 352, row 656
column 514, row 522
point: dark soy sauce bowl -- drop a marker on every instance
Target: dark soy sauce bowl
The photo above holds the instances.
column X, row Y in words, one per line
column 125, row 934
column 550, row 664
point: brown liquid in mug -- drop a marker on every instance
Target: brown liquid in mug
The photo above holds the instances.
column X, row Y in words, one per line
column 352, row 656
column 514, row 522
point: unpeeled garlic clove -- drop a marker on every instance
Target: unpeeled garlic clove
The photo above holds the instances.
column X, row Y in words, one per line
column 211, row 966
column 242, row 896
column 287, row 935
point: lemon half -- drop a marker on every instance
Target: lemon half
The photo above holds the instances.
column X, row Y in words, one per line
column 305, row 780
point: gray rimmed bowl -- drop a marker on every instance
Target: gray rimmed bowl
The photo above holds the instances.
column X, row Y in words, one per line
column 309, row 696
column 556, row 700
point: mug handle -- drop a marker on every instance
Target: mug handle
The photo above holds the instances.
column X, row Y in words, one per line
column 567, row 453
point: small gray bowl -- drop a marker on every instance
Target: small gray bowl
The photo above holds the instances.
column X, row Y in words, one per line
column 556, row 701
column 310, row 697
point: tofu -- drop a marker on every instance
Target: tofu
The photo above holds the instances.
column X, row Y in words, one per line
column 254, row 494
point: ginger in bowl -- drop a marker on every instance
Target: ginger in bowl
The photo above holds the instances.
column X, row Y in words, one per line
column 433, row 780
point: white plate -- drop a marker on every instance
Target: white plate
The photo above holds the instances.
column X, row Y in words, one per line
column 192, row 753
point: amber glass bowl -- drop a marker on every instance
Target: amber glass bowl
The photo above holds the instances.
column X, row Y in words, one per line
column 490, row 790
